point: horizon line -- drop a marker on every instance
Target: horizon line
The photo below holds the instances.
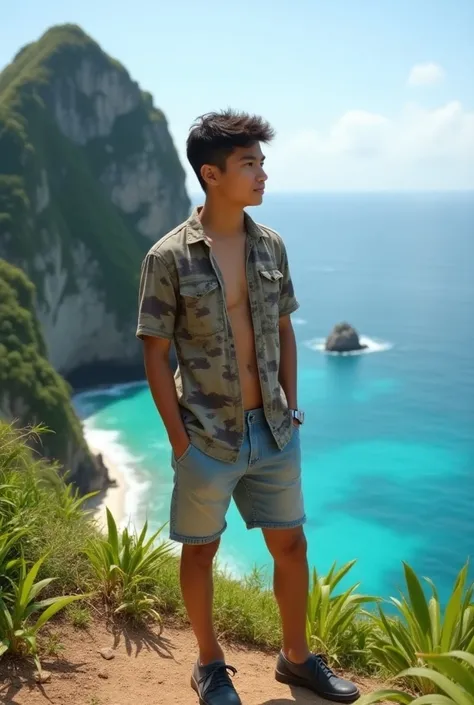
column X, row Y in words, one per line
column 357, row 192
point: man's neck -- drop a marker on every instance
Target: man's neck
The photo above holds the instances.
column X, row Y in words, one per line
column 222, row 219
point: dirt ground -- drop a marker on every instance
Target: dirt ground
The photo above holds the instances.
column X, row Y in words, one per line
column 147, row 669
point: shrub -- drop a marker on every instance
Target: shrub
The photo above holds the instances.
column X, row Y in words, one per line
column 19, row 604
column 451, row 675
column 334, row 624
column 127, row 568
column 422, row 626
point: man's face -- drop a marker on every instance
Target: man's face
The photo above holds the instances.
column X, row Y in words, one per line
column 243, row 181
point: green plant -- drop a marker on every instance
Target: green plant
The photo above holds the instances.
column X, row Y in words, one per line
column 128, row 567
column 48, row 512
column 331, row 619
column 79, row 615
column 70, row 501
column 245, row 608
column 421, row 626
column 450, row 682
column 7, row 564
column 16, row 609
column 53, row 646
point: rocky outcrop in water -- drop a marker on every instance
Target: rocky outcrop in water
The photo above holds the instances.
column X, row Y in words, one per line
column 343, row 338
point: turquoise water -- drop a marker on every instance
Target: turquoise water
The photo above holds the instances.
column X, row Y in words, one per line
column 388, row 446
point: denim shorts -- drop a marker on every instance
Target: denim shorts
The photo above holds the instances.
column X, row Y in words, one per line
column 265, row 483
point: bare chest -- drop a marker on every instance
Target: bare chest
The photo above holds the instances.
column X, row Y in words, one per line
column 231, row 260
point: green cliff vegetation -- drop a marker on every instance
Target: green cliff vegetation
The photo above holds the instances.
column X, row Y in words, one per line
column 74, row 126
column 77, row 208
column 33, row 146
column 121, row 575
column 31, row 391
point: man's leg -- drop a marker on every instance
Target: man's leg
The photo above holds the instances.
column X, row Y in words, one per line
column 291, row 586
column 198, row 590
column 296, row 665
column 210, row 677
column 270, row 497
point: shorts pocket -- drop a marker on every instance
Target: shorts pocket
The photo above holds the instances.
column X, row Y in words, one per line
column 183, row 456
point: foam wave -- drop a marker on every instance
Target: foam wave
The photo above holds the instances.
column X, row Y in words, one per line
column 373, row 346
column 299, row 321
column 108, row 443
column 115, row 390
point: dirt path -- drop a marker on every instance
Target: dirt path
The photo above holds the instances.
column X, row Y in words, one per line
column 147, row 670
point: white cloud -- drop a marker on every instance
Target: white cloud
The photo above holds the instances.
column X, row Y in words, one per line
column 418, row 149
column 426, row 74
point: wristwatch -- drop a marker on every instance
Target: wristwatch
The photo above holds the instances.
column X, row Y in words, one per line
column 297, row 415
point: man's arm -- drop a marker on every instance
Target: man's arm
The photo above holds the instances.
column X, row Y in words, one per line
column 288, row 361
column 163, row 390
column 156, row 321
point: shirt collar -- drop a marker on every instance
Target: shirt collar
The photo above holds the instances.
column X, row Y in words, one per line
column 195, row 231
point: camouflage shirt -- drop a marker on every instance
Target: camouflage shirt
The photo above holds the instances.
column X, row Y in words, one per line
column 182, row 299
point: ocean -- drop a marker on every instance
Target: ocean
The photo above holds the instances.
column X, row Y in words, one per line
column 388, row 443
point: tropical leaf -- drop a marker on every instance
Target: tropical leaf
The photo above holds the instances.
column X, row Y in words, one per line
column 422, row 626
column 123, row 562
column 331, row 619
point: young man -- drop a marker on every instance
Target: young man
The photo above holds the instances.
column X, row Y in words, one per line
column 219, row 287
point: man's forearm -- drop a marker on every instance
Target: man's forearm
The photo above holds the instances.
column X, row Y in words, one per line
column 163, row 390
column 288, row 363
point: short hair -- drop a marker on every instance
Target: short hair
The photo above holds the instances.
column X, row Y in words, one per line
column 214, row 136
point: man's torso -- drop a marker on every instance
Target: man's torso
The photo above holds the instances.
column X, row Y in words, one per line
column 222, row 314
column 230, row 257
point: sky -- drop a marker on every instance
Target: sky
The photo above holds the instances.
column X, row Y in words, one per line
column 363, row 94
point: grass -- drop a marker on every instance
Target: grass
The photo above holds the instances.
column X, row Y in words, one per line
column 79, row 616
column 243, row 610
column 53, row 645
column 121, row 575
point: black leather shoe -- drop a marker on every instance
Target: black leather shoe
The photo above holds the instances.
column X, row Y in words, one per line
column 316, row 675
column 213, row 685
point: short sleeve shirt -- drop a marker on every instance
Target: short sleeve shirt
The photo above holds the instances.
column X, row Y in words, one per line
column 181, row 298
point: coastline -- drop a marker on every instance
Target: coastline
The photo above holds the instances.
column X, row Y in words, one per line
column 113, row 497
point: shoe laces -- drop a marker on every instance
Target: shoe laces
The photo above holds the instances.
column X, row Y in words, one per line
column 217, row 677
column 322, row 663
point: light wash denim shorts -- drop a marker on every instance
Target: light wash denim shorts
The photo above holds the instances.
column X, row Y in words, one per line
column 265, row 483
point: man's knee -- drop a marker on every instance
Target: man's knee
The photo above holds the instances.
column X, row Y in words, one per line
column 201, row 554
column 287, row 546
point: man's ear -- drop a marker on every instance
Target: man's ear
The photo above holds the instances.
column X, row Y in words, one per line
column 210, row 174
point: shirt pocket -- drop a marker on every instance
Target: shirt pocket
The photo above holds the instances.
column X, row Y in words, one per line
column 271, row 282
column 202, row 309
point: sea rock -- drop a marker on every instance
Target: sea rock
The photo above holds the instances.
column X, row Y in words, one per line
column 344, row 338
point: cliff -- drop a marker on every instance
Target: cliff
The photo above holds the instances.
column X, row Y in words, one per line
column 89, row 178
column 31, row 391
